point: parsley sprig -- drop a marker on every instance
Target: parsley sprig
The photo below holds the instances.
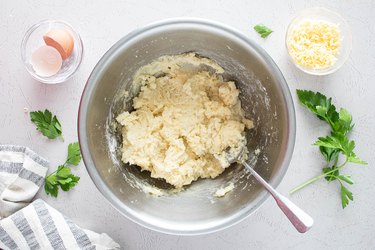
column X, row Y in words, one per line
column 333, row 145
column 63, row 176
column 47, row 124
column 262, row 30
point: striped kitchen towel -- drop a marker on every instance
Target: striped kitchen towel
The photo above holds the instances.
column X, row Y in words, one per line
column 22, row 173
column 39, row 226
column 36, row 225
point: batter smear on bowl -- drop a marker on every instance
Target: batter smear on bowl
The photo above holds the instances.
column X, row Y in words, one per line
column 186, row 122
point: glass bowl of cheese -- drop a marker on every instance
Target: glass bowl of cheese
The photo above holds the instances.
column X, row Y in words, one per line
column 318, row 41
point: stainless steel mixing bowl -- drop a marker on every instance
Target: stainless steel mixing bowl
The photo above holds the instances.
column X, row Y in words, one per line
column 265, row 98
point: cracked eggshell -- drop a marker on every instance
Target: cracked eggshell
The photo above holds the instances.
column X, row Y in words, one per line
column 60, row 39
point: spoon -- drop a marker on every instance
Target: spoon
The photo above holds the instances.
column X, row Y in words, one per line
column 300, row 220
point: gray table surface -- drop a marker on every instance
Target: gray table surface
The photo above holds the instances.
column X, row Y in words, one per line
column 102, row 23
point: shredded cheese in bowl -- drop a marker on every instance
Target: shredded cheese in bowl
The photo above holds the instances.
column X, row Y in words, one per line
column 318, row 41
column 314, row 43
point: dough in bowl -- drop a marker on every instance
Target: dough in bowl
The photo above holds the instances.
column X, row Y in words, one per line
column 186, row 122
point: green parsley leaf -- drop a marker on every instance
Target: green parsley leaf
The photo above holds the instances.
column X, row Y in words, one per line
column 329, row 154
column 354, row 159
column 331, row 176
column 346, row 195
column 63, row 172
column 51, row 189
column 335, row 175
column 74, row 154
column 320, row 105
column 328, row 142
column 333, row 145
column 51, row 179
column 69, row 183
column 347, row 146
column 47, row 124
column 263, row 30
column 344, row 124
column 63, row 176
column 337, row 141
column 314, row 101
column 347, row 178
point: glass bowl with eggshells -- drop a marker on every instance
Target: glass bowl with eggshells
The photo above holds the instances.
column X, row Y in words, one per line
column 51, row 51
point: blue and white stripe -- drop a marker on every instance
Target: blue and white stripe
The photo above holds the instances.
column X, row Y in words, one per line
column 23, row 226
column 6, row 241
column 48, row 225
column 39, row 226
column 36, row 225
column 22, row 173
column 79, row 235
column 23, row 150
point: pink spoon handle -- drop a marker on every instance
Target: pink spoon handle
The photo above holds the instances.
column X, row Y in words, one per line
column 300, row 220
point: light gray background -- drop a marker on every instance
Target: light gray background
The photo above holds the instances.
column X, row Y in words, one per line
column 102, row 23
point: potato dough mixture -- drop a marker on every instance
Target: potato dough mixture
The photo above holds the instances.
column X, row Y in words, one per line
column 186, row 120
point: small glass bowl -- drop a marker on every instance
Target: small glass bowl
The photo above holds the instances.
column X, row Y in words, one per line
column 33, row 39
column 323, row 14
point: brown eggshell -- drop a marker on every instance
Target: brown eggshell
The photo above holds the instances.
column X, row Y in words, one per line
column 60, row 39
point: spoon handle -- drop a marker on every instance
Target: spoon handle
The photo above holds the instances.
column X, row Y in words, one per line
column 300, row 220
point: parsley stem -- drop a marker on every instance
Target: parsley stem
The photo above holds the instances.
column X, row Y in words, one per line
column 316, row 178
column 56, row 171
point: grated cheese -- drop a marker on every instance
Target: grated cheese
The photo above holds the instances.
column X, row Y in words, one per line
column 314, row 44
